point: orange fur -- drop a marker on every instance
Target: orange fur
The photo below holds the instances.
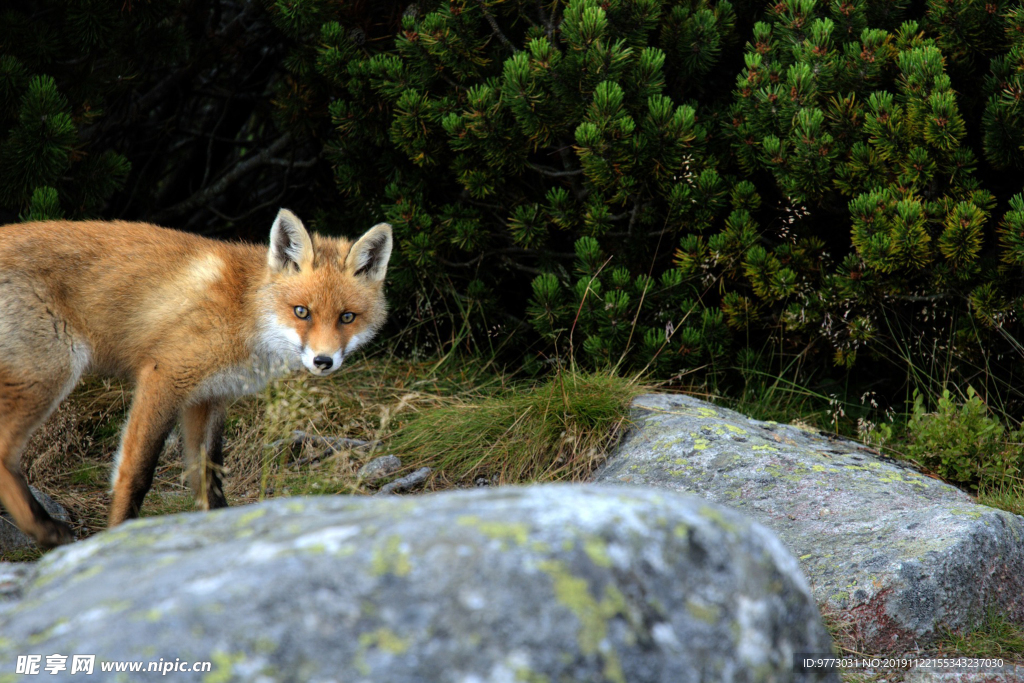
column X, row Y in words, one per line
column 192, row 321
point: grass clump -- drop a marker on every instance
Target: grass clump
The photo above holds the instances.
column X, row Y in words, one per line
column 1006, row 495
column 557, row 431
column 995, row 637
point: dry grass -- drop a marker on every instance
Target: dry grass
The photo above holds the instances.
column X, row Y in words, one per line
column 370, row 400
column 70, row 456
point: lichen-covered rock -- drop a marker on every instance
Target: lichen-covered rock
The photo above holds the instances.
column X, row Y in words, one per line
column 897, row 554
column 12, row 538
column 547, row 583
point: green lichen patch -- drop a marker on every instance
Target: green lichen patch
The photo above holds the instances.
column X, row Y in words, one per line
column 702, row 611
column 593, row 615
column 390, row 558
column 223, row 669
column 251, row 516
column 525, row 675
column 45, row 634
column 716, row 516
column 384, row 639
column 516, row 532
column 597, row 551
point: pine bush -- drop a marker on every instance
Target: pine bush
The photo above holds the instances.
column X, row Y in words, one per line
column 544, row 150
column 584, row 166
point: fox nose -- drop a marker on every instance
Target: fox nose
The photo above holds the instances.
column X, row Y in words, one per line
column 323, row 362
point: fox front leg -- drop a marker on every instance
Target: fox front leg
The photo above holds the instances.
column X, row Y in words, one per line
column 154, row 409
column 202, row 426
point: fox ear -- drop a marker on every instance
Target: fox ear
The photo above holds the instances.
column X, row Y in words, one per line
column 290, row 246
column 369, row 255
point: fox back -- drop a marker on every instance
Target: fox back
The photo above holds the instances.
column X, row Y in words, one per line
column 193, row 322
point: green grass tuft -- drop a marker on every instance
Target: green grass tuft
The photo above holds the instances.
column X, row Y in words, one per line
column 558, row 431
column 1007, row 495
column 995, row 637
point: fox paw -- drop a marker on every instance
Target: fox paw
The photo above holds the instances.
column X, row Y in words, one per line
column 52, row 533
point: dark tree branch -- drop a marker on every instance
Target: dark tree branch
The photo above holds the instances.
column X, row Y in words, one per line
column 495, row 28
column 521, row 267
column 262, row 205
column 505, row 253
column 549, row 27
column 552, row 173
column 308, row 163
column 240, row 169
column 634, row 214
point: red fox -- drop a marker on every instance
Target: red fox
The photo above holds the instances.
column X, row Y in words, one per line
column 193, row 322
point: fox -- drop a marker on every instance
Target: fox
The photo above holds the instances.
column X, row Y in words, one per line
column 191, row 322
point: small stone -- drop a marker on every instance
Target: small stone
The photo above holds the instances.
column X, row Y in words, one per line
column 405, row 483
column 378, row 468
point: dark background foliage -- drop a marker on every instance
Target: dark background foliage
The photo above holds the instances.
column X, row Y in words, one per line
column 713, row 191
column 192, row 114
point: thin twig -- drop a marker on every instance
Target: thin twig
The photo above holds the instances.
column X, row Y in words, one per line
column 929, row 297
column 259, row 207
column 552, row 173
column 328, row 444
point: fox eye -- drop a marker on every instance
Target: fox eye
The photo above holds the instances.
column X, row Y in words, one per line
column 348, row 317
column 301, row 312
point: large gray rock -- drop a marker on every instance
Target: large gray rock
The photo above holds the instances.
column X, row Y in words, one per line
column 895, row 553
column 551, row 583
column 12, row 538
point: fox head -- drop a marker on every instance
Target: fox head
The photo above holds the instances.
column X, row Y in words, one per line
column 323, row 297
